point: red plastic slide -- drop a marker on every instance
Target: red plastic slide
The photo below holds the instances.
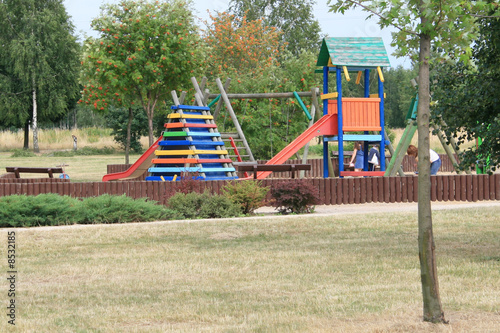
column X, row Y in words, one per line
column 138, row 168
column 327, row 125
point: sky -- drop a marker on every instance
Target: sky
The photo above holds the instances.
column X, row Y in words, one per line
column 352, row 24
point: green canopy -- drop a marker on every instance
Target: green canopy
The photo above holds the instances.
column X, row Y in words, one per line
column 364, row 52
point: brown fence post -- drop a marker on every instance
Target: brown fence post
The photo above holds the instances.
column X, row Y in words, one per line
column 475, row 188
column 486, row 185
column 491, row 179
column 497, row 186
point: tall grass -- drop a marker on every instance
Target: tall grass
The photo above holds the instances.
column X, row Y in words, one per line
column 344, row 273
column 59, row 139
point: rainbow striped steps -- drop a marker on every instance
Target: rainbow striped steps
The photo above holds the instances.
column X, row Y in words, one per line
column 191, row 145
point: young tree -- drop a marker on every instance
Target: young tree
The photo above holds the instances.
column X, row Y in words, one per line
column 238, row 47
column 39, row 58
column 145, row 50
column 421, row 25
column 294, row 18
column 248, row 52
column 400, row 92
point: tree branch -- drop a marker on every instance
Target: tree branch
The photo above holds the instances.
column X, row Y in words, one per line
column 368, row 9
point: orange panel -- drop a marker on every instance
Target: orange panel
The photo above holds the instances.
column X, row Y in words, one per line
column 358, row 114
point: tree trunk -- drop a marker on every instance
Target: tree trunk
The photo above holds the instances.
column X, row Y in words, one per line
column 129, row 135
column 35, row 121
column 150, row 128
column 430, row 287
column 149, row 107
column 27, row 135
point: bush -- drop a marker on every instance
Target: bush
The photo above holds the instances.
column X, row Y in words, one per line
column 295, row 196
column 85, row 151
column 119, row 209
column 203, row 205
column 248, row 194
column 54, row 209
column 95, row 151
column 43, row 209
column 22, row 153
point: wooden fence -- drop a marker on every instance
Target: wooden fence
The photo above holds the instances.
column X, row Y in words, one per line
column 408, row 165
column 333, row 191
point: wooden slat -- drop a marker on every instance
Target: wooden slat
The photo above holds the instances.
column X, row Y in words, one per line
column 350, row 188
column 369, row 189
column 492, row 188
column 480, row 187
column 386, row 189
column 433, row 188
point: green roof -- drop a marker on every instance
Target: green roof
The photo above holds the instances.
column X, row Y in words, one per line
column 365, row 52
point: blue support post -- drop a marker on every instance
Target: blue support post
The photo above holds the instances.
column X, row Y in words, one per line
column 367, row 83
column 367, row 95
column 382, row 124
column 339, row 118
column 325, row 112
column 325, row 89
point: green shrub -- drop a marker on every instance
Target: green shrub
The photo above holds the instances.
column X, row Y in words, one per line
column 22, row 153
column 95, row 151
column 119, row 209
column 203, row 205
column 316, row 150
column 295, row 196
column 54, row 209
column 85, row 151
column 248, row 194
column 63, row 153
column 43, row 209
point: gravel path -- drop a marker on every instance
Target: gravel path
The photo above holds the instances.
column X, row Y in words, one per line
column 367, row 208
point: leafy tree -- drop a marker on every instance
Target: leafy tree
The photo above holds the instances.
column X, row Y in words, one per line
column 399, row 91
column 145, row 50
column 38, row 62
column 422, row 25
column 128, row 137
column 237, row 47
column 248, row 52
column 471, row 91
column 294, row 18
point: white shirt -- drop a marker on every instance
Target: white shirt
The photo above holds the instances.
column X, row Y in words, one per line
column 433, row 156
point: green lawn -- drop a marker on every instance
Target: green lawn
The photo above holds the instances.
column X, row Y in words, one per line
column 80, row 168
column 345, row 273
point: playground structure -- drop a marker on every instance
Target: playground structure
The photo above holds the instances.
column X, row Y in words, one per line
column 181, row 145
column 366, row 114
column 192, row 143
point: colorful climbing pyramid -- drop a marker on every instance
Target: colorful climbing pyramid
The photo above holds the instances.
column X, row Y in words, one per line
column 191, row 145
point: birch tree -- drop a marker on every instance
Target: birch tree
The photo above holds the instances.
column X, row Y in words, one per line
column 40, row 57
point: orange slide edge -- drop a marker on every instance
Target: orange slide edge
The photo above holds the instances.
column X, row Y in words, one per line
column 138, row 168
column 327, row 125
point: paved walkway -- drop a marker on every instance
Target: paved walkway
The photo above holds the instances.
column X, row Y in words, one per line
column 367, row 208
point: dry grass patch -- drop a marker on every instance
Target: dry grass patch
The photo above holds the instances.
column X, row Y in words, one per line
column 58, row 139
column 354, row 273
column 79, row 168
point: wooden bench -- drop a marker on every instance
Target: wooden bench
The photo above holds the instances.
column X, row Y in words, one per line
column 18, row 170
column 252, row 167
